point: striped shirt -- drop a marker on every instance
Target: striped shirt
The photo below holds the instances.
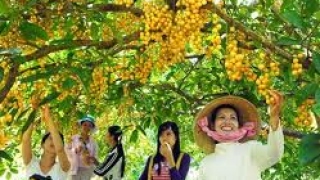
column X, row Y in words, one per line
column 164, row 172
column 111, row 167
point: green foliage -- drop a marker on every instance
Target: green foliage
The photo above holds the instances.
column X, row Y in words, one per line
column 4, row 9
column 309, row 151
column 4, row 155
column 31, row 31
column 62, row 43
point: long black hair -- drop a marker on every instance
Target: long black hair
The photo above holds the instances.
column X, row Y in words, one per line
column 176, row 148
column 116, row 132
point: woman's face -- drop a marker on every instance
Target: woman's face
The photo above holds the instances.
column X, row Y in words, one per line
column 168, row 136
column 226, row 120
column 86, row 126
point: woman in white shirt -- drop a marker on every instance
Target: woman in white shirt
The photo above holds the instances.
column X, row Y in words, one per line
column 226, row 128
column 52, row 144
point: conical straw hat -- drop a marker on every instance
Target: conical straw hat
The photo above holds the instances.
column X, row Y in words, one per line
column 247, row 112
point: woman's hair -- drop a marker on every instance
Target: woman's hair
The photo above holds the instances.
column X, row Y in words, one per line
column 222, row 106
column 176, row 148
column 116, row 133
column 45, row 137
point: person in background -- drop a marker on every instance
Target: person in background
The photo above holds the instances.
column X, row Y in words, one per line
column 52, row 145
column 113, row 166
column 169, row 163
column 81, row 149
column 226, row 130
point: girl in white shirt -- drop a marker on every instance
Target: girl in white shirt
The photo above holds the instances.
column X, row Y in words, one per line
column 226, row 128
column 52, row 144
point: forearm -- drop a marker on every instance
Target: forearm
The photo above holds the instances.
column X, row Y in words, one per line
column 274, row 122
column 56, row 138
column 26, row 146
column 64, row 161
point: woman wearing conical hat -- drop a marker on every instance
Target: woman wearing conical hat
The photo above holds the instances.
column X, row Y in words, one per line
column 226, row 130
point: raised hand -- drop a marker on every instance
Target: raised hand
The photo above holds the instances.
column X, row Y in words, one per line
column 166, row 152
column 275, row 109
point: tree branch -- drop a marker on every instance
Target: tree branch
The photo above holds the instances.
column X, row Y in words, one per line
column 118, row 8
column 248, row 32
column 13, row 73
column 293, row 133
column 45, row 50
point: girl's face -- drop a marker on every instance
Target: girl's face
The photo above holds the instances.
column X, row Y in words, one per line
column 48, row 145
column 168, row 136
column 109, row 139
column 226, row 120
column 86, row 126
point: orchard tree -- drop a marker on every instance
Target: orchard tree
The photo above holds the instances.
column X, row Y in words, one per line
column 138, row 63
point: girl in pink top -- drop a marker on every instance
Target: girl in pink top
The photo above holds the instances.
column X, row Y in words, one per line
column 81, row 149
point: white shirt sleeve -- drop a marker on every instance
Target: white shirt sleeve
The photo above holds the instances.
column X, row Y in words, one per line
column 266, row 155
column 200, row 173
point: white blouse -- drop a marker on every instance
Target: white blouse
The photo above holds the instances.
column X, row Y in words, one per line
column 56, row 173
column 242, row 161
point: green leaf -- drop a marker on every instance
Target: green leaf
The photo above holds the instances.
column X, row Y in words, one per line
column 287, row 41
column 134, row 136
column 316, row 109
column 317, row 95
column 49, row 98
column 69, row 83
column 37, row 76
column 141, row 130
column 316, row 61
column 95, row 31
column 31, row 31
column 31, row 118
column 294, row 18
column 4, row 155
column 305, row 92
column 311, row 7
column 4, row 9
column 1, row 73
column 317, row 15
column 3, row 26
column 309, row 150
column 84, row 75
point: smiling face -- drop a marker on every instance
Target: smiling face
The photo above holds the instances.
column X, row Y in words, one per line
column 226, row 120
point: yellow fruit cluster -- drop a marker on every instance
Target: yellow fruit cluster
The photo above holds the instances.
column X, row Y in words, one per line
column 127, row 3
column 99, row 82
column 215, row 38
column 6, row 119
column 234, row 62
column 127, row 22
column 3, row 139
column 143, row 70
column 269, row 69
column 173, row 30
column 296, row 65
column 304, row 118
column 274, row 68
